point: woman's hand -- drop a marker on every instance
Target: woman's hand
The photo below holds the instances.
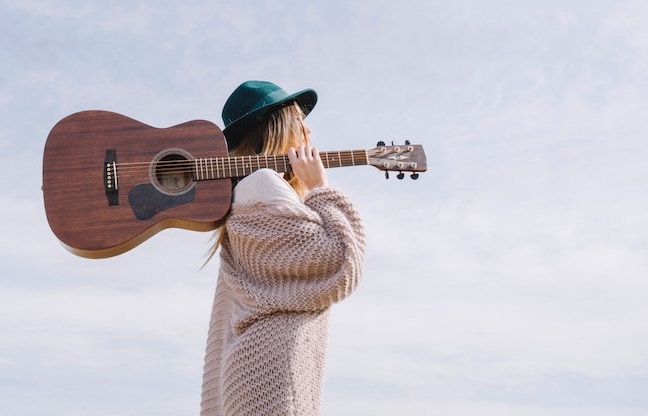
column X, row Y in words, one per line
column 307, row 166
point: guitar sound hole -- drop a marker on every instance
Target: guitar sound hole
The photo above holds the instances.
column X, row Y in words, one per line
column 171, row 172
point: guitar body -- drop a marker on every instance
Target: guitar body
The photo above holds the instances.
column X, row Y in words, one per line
column 98, row 210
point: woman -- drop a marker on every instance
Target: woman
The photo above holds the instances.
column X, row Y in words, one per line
column 290, row 247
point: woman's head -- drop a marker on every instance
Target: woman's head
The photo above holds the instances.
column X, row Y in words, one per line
column 278, row 131
column 274, row 135
column 253, row 102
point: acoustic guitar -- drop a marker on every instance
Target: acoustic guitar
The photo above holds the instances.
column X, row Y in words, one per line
column 111, row 182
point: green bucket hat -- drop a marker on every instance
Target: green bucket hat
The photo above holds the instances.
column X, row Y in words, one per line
column 252, row 100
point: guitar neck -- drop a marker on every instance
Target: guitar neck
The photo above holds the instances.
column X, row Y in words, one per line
column 210, row 168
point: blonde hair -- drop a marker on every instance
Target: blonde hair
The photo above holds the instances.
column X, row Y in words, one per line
column 274, row 135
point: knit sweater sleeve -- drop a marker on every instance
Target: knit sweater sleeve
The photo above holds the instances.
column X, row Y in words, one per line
column 293, row 256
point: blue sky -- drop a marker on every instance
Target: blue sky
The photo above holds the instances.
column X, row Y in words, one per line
column 509, row 279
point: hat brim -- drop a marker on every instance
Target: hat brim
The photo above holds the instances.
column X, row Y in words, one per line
column 306, row 99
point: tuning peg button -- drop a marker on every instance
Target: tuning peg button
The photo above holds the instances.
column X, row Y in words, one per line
column 414, row 176
column 401, row 175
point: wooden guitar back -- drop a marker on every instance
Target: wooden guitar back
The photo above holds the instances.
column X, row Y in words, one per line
column 98, row 208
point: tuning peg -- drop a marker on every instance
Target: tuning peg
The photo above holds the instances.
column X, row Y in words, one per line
column 400, row 175
column 407, row 142
column 380, row 143
column 414, row 176
column 386, row 175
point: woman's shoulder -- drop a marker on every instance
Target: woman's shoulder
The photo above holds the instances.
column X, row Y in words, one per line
column 264, row 185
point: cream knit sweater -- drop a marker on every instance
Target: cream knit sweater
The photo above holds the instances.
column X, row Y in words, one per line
column 283, row 264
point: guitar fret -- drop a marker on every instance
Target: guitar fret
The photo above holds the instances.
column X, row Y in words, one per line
column 230, row 167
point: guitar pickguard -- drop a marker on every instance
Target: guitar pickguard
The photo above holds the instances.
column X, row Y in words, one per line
column 146, row 201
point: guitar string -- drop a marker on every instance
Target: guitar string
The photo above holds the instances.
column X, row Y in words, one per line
column 247, row 159
column 228, row 161
column 221, row 161
column 225, row 164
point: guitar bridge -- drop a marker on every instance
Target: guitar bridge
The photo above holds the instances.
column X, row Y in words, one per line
column 111, row 185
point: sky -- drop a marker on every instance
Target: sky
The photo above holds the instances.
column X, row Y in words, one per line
column 509, row 279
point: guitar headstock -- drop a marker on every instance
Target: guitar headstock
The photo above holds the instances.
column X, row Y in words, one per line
column 398, row 158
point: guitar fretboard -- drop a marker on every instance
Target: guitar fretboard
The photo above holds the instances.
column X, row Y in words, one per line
column 210, row 168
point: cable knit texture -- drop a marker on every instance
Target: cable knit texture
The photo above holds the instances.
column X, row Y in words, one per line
column 282, row 266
